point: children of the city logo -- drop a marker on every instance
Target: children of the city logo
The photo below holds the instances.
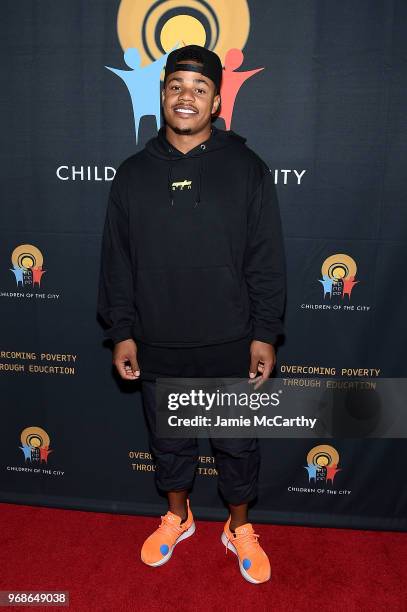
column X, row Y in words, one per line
column 322, row 468
column 338, row 276
column 148, row 32
column 338, row 283
column 27, row 267
column 35, row 445
column 322, row 464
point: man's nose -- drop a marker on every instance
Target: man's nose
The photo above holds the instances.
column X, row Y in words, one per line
column 186, row 95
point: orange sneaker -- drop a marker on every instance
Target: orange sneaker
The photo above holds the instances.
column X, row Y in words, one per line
column 253, row 562
column 158, row 547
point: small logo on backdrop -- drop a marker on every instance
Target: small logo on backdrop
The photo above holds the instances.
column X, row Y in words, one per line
column 28, row 270
column 322, row 464
column 338, row 283
column 338, row 276
column 322, row 468
column 27, row 267
column 181, row 184
column 35, row 445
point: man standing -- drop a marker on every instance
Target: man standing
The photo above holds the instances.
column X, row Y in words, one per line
column 192, row 284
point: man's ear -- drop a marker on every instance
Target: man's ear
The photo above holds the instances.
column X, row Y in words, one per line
column 216, row 104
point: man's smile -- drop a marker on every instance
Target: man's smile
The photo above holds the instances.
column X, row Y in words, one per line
column 185, row 110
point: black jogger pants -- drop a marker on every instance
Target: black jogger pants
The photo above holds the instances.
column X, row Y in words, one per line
column 237, row 459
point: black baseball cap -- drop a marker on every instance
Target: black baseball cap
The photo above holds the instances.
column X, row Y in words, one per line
column 210, row 64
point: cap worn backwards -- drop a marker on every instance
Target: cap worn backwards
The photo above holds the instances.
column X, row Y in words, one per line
column 209, row 63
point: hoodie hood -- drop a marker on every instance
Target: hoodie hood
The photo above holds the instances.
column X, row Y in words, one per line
column 160, row 148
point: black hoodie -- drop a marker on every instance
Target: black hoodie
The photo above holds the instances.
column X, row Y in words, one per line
column 192, row 251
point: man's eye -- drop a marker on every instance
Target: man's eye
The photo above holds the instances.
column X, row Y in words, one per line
column 201, row 91
column 175, row 87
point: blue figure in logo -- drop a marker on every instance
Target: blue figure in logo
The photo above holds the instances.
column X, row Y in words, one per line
column 312, row 471
column 27, row 451
column 19, row 274
column 327, row 284
column 143, row 85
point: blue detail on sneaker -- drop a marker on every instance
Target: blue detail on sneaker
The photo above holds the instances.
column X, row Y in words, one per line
column 246, row 563
column 164, row 548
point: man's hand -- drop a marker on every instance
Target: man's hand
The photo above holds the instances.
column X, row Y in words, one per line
column 262, row 359
column 126, row 351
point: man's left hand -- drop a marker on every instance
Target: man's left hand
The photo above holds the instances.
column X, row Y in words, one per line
column 262, row 359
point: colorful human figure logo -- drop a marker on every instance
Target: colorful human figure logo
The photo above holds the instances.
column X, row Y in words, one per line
column 148, row 30
column 322, row 464
column 35, row 444
column 338, row 275
column 27, row 262
column 232, row 82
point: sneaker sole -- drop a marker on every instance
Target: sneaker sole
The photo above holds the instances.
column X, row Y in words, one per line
column 245, row 575
column 190, row 531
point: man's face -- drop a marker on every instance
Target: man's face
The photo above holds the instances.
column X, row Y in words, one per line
column 188, row 101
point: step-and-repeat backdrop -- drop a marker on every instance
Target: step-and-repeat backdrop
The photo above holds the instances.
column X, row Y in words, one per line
column 319, row 90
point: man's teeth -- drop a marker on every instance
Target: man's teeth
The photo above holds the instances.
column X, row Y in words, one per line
column 184, row 110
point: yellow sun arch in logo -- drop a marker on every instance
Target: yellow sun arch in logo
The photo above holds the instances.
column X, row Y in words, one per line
column 35, row 437
column 323, row 455
column 154, row 28
column 26, row 256
column 339, row 266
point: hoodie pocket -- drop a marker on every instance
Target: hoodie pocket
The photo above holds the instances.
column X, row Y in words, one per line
column 196, row 305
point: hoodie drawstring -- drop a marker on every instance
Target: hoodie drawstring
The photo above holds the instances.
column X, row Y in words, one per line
column 170, row 185
column 198, row 192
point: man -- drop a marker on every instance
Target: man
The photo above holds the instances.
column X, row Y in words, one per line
column 192, row 284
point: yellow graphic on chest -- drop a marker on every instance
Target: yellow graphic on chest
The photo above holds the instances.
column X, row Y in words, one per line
column 181, row 185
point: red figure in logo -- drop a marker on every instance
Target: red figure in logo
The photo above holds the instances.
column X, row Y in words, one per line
column 232, row 82
column 331, row 472
column 37, row 275
column 44, row 452
column 348, row 285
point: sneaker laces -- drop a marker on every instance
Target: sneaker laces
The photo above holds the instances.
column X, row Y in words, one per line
column 168, row 526
column 245, row 540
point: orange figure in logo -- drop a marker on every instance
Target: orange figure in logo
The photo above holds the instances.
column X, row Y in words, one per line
column 331, row 472
column 37, row 275
column 44, row 452
column 348, row 284
column 232, row 82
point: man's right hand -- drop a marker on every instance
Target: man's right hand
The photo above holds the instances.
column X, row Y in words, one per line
column 125, row 351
